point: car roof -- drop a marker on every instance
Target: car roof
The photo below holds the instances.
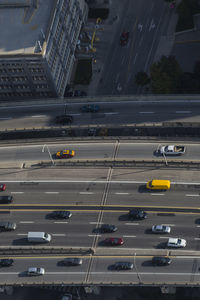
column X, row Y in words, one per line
column 173, row 240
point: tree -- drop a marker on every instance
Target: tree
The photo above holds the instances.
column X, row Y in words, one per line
column 165, row 75
column 142, row 78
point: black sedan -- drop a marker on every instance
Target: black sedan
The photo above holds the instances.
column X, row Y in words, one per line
column 64, row 119
column 137, row 214
column 72, row 261
column 6, row 262
column 123, row 265
column 161, row 261
column 60, row 215
column 107, row 228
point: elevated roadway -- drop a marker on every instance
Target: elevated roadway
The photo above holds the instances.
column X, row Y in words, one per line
column 118, row 111
column 95, row 151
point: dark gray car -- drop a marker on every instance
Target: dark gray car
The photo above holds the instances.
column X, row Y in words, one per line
column 7, row 226
column 72, row 261
column 123, row 265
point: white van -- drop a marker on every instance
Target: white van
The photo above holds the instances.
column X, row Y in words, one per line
column 176, row 243
column 39, row 237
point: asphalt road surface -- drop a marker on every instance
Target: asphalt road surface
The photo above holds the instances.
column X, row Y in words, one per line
column 95, row 151
column 128, row 112
column 181, row 271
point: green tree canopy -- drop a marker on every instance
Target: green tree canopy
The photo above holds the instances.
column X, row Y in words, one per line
column 165, row 75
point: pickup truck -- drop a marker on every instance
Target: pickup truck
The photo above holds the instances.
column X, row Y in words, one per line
column 172, row 150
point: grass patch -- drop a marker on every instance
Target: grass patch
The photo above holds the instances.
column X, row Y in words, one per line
column 186, row 9
column 83, row 72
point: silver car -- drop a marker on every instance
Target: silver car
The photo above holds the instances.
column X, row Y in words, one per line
column 161, row 229
column 35, row 271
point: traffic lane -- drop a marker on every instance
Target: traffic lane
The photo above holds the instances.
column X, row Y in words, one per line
column 149, row 151
column 44, row 152
column 54, row 271
column 179, row 271
column 90, row 196
column 130, row 195
column 149, row 241
column 61, row 238
column 30, row 217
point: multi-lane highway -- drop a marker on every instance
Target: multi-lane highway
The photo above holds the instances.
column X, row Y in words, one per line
column 183, row 270
column 122, row 112
column 95, row 197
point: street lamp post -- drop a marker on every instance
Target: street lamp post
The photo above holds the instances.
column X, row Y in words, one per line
column 48, row 152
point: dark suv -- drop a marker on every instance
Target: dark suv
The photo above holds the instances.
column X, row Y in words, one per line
column 6, row 262
column 64, row 119
column 123, row 266
column 161, row 261
column 106, row 228
column 137, row 214
column 6, row 199
column 7, row 226
column 72, row 261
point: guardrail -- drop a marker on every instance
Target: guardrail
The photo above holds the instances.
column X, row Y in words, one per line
column 121, row 164
column 27, row 250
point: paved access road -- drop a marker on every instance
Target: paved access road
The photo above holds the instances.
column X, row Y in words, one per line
column 123, row 112
column 95, row 151
column 182, row 270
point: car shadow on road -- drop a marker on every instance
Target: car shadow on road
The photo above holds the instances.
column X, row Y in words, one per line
column 147, row 263
column 148, row 231
column 162, row 245
column 143, row 189
column 123, row 218
column 23, row 274
column 22, row 241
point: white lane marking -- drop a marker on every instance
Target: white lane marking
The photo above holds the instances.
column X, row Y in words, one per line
column 122, row 193
column 110, row 273
column 75, row 114
column 197, row 239
column 111, row 113
column 38, row 116
column 51, row 192
column 135, row 58
column 57, row 222
column 169, row 225
column 93, row 235
column 183, row 112
column 192, row 195
column 93, row 181
column 17, row 192
column 86, row 193
column 22, row 234
column 94, row 223
column 26, row 222
column 131, row 223
column 129, row 236
column 198, row 226
column 164, row 237
column 58, row 234
column 9, row 118
column 146, row 112
column 155, row 194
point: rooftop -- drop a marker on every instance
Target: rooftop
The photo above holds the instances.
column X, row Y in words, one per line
column 23, row 24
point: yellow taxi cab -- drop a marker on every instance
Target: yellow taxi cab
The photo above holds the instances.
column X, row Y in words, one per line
column 65, row 153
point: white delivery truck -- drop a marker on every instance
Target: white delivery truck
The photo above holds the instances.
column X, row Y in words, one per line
column 39, row 237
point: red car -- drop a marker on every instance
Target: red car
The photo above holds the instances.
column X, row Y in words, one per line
column 124, row 38
column 114, row 241
column 2, row 187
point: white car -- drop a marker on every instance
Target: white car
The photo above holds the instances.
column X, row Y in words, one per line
column 161, row 229
column 35, row 271
column 176, row 243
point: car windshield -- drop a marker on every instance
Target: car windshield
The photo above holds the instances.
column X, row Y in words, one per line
column 179, row 241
